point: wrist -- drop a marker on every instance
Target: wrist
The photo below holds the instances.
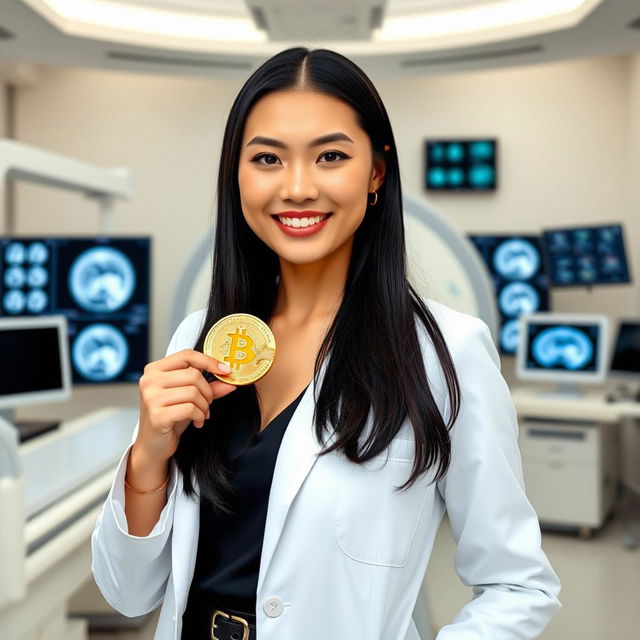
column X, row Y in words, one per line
column 144, row 472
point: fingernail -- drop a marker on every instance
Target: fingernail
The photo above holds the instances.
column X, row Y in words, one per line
column 225, row 368
column 208, row 414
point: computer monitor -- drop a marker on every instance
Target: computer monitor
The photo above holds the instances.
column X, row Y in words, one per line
column 35, row 361
column 461, row 164
column 515, row 263
column 567, row 349
column 100, row 284
column 584, row 256
column 625, row 359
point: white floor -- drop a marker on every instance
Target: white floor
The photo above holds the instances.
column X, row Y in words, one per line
column 600, row 585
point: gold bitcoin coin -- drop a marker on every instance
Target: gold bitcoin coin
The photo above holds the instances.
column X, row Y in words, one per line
column 245, row 343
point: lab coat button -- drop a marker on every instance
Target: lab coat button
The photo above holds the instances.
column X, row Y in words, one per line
column 273, row 606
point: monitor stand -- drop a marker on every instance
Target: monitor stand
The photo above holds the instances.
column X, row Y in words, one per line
column 562, row 391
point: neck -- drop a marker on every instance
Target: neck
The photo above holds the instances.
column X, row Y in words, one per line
column 312, row 292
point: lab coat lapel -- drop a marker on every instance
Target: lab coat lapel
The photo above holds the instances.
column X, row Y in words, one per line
column 296, row 456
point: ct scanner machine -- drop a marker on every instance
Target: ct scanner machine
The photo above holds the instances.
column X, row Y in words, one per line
column 53, row 486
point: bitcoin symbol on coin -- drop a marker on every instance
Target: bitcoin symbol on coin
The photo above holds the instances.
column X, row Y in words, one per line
column 246, row 343
column 240, row 351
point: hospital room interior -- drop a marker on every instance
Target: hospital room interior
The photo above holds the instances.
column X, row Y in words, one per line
column 517, row 125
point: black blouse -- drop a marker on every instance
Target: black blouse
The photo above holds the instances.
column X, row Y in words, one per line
column 229, row 545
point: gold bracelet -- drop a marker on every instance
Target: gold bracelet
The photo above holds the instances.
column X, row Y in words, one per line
column 162, row 486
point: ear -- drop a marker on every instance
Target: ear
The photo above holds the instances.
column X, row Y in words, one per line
column 377, row 173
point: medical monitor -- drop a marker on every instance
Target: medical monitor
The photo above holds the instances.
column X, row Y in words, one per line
column 35, row 361
column 625, row 359
column 461, row 164
column 568, row 349
column 100, row 284
column 520, row 282
column 584, row 256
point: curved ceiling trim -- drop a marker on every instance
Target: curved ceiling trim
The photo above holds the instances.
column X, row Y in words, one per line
column 487, row 22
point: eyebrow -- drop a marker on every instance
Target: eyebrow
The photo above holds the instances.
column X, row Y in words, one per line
column 330, row 137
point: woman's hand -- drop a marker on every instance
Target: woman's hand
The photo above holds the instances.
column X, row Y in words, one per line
column 173, row 392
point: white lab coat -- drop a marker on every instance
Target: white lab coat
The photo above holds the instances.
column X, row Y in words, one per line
column 343, row 556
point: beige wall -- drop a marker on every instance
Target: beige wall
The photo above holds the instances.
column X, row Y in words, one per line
column 564, row 133
column 634, row 146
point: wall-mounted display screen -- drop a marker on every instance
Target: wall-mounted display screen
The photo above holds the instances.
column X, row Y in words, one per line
column 100, row 284
column 461, row 165
column 519, row 278
column 582, row 256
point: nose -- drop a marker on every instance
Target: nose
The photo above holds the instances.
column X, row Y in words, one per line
column 298, row 183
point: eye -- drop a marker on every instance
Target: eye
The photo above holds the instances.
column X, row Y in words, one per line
column 333, row 153
column 256, row 159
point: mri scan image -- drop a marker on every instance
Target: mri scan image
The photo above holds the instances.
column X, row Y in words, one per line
column 14, row 301
column 37, row 253
column 14, row 277
column 517, row 298
column 102, row 279
column 15, row 253
column 562, row 348
column 100, row 352
column 510, row 336
column 37, row 276
column 37, row 300
column 516, row 259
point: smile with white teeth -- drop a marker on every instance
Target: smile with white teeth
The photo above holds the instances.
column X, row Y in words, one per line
column 301, row 222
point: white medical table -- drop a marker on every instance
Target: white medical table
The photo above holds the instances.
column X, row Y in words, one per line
column 52, row 489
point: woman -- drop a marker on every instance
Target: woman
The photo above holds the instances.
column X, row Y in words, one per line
column 306, row 505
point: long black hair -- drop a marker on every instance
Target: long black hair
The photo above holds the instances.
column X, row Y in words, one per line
column 374, row 361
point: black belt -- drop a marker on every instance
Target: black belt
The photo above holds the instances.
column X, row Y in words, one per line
column 229, row 624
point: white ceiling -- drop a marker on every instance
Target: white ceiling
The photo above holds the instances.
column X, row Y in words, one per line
column 28, row 36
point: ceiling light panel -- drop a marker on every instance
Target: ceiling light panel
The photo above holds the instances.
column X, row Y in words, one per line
column 328, row 20
column 229, row 8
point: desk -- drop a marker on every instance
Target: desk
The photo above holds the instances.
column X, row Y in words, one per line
column 571, row 455
column 590, row 406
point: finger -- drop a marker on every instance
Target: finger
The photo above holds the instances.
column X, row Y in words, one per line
column 221, row 389
column 184, row 378
column 182, row 395
column 185, row 411
column 191, row 358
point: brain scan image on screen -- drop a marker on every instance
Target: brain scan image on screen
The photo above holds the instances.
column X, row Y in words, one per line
column 509, row 336
column 37, row 253
column 15, row 277
column 37, row 277
column 516, row 259
column 14, row 301
column 517, row 298
column 100, row 352
column 562, row 348
column 15, row 253
column 102, row 279
column 37, row 300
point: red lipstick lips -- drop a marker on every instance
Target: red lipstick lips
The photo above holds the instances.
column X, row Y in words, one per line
column 301, row 232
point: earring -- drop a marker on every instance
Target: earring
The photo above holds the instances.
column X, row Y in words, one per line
column 375, row 193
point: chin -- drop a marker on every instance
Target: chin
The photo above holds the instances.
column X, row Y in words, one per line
column 302, row 256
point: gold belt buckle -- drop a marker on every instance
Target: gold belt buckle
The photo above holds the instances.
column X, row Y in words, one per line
column 242, row 621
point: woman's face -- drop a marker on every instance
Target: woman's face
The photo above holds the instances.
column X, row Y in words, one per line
column 284, row 168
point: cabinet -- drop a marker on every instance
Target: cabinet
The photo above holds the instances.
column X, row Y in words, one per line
column 570, row 470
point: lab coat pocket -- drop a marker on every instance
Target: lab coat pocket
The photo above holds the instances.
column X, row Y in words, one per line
column 374, row 523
